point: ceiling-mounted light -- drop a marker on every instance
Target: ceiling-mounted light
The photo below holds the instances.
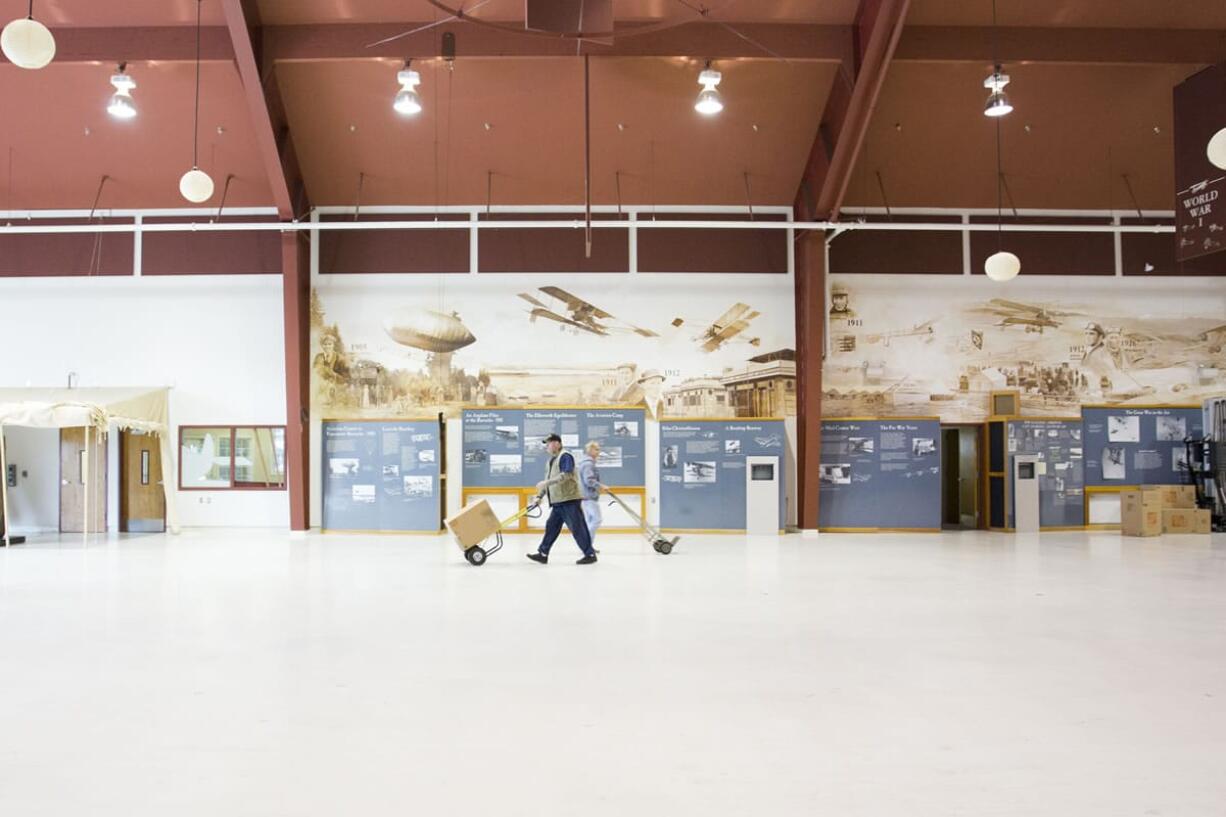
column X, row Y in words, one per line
column 27, row 43
column 121, row 105
column 1002, row 266
column 709, row 102
column 408, row 103
column 195, row 185
column 998, row 101
column 1216, row 149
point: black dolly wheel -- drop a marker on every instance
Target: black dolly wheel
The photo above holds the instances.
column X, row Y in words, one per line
column 663, row 546
column 475, row 556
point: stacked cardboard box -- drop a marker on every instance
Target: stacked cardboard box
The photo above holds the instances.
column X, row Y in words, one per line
column 1162, row 509
column 1141, row 512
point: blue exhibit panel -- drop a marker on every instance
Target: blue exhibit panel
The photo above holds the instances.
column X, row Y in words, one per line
column 503, row 447
column 1058, row 445
column 1138, row 446
column 382, row 476
column 880, row 474
column 702, row 470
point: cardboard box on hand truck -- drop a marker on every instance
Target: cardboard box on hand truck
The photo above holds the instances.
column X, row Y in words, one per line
column 473, row 524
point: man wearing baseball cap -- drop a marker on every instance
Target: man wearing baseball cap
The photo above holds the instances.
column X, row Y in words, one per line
column 561, row 485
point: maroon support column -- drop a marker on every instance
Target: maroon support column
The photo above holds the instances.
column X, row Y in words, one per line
column 810, row 343
column 295, row 289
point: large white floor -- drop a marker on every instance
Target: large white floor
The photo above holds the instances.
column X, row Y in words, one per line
column 229, row 673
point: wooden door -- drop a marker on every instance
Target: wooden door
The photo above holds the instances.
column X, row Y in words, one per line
column 142, row 501
column 72, row 481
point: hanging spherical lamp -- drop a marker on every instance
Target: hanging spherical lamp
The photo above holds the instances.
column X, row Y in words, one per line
column 1002, row 266
column 27, row 43
column 1216, row 149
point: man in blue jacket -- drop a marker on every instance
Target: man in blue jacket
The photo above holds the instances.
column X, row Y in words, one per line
column 561, row 484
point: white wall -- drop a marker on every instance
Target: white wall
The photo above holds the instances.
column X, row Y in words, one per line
column 217, row 341
column 34, row 504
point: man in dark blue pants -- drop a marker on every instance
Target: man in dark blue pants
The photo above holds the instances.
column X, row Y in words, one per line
column 565, row 502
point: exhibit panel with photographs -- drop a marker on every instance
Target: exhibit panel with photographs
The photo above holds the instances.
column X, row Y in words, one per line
column 382, row 476
column 880, row 474
column 1138, row 446
column 1058, row 446
column 702, row 470
column 392, row 346
column 940, row 349
column 504, row 448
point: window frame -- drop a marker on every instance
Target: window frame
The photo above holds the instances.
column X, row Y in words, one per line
column 233, row 486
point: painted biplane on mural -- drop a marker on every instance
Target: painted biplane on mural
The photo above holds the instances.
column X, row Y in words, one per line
column 679, row 351
column 941, row 349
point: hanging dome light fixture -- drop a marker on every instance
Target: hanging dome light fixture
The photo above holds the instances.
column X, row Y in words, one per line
column 28, row 43
column 196, row 186
column 1001, row 265
column 408, row 101
column 709, row 101
column 998, row 101
column 121, row 105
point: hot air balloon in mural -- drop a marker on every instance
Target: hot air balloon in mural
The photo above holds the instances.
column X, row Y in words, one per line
column 437, row 333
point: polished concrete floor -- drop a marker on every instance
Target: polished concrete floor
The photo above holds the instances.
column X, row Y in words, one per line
column 231, row 673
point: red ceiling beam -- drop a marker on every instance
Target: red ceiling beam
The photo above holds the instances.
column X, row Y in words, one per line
column 1130, row 46
column 699, row 40
column 849, row 109
column 289, row 194
column 267, row 114
column 160, row 43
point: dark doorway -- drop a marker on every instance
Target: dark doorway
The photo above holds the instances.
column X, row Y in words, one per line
column 961, row 505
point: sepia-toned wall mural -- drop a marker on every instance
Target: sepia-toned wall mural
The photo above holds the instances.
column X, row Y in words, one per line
column 938, row 345
column 680, row 345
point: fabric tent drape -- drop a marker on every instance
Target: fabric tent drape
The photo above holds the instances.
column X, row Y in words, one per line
column 142, row 409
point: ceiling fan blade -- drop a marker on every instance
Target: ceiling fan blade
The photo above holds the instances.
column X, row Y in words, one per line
column 753, row 42
column 426, row 27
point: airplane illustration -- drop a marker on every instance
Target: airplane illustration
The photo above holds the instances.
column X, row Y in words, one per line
column 1033, row 318
column 579, row 314
column 920, row 330
column 726, row 327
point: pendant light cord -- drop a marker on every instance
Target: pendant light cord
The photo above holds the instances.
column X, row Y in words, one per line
column 1000, row 238
column 30, row 13
column 196, row 120
column 1000, row 179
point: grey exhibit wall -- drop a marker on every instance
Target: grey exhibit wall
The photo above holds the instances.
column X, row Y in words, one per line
column 879, row 474
column 382, row 476
column 1058, row 445
column 503, row 447
column 1138, row 446
column 702, row 470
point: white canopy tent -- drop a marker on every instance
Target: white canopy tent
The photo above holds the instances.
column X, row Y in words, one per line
column 95, row 410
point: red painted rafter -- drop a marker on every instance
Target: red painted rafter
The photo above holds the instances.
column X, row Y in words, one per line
column 264, row 105
column 849, row 109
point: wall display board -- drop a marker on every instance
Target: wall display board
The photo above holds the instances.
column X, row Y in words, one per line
column 503, row 446
column 382, row 476
column 880, row 474
column 1138, row 446
column 702, row 470
column 1059, row 447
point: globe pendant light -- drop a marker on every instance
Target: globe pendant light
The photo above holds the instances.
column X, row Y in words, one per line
column 27, row 43
column 1000, row 266
column 1216, row 149
column 121, row 105
column 196, row 186
column 709, row 102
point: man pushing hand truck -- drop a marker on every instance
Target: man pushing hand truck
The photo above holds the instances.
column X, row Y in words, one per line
column 561, row 486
